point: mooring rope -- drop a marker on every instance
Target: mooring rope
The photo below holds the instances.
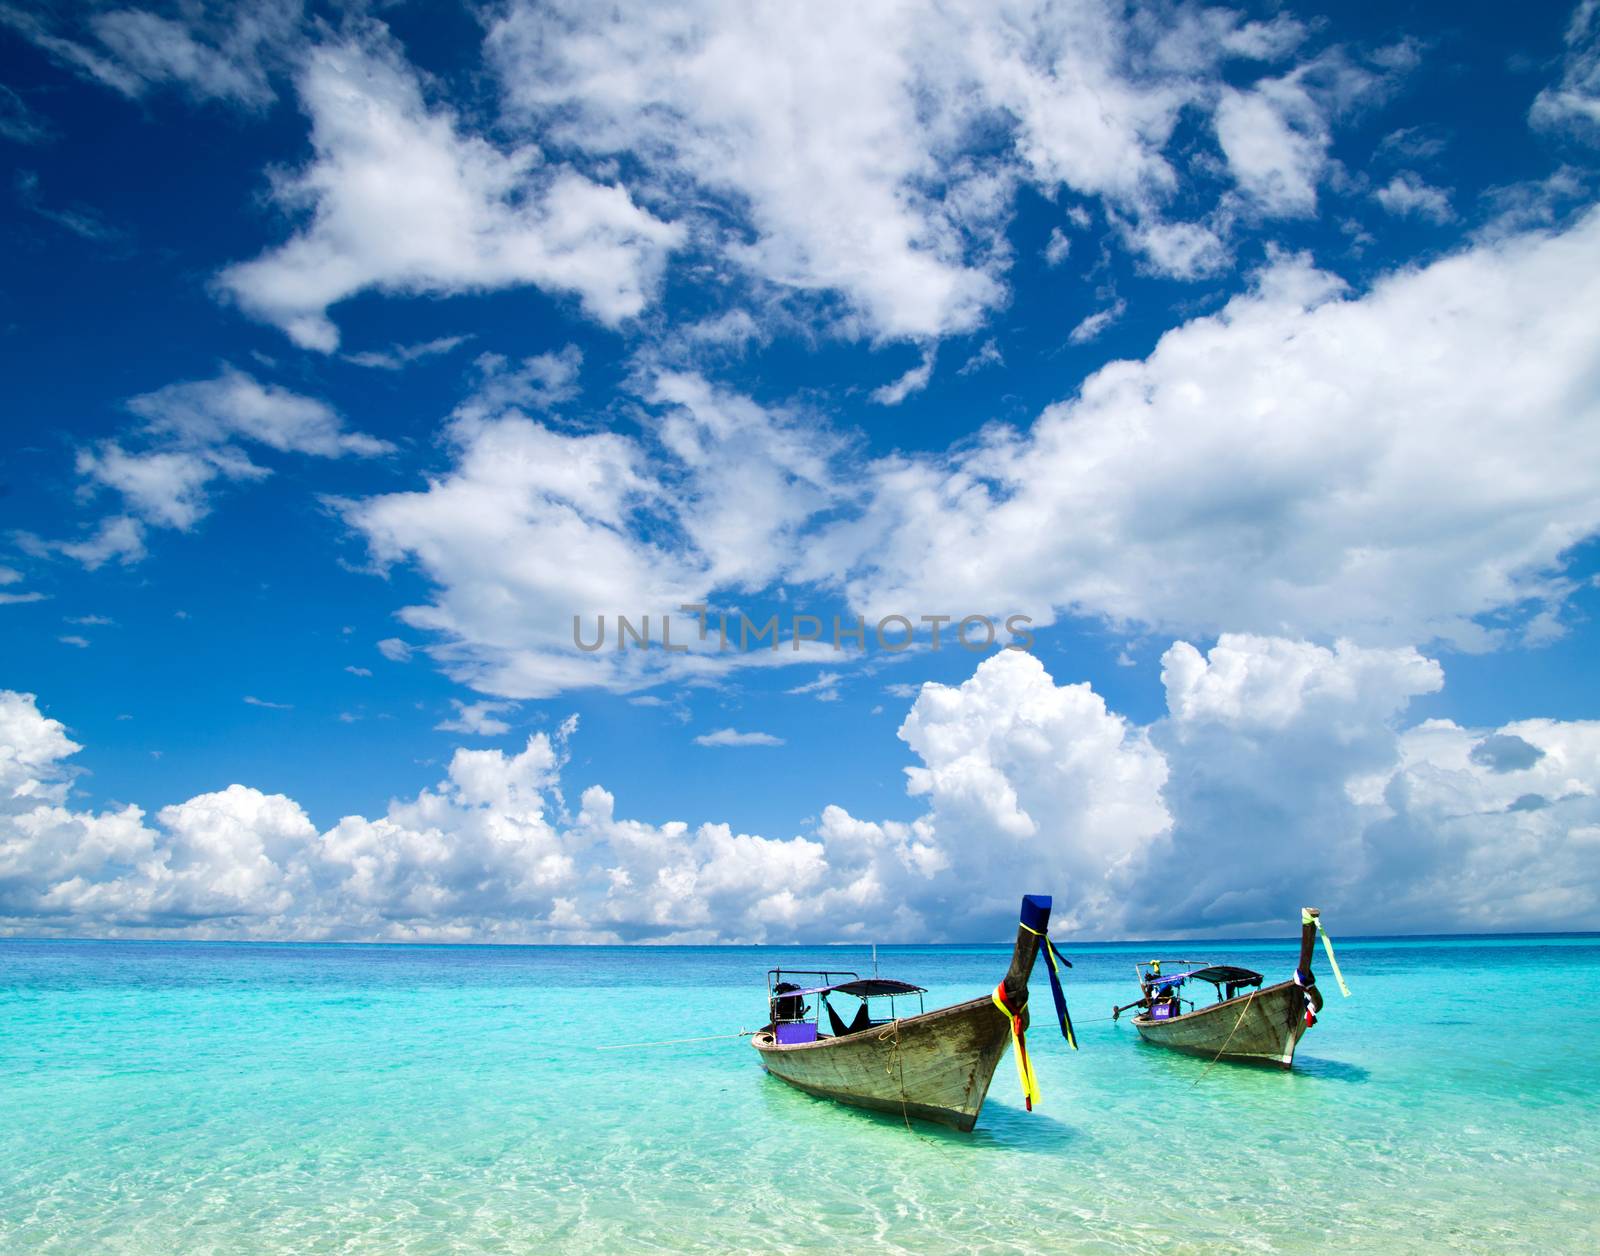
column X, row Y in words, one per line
column 1228, row 1039
column 672, row 1042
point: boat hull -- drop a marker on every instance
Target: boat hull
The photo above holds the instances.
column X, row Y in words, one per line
column 936, row 1067
column 1263, row 1028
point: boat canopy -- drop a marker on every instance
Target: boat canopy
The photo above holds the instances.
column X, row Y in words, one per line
column 1216, row 974
column 1227, row 975
column 866, row 988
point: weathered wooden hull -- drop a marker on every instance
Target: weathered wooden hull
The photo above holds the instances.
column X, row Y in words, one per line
column 1263, row 1028
column 936, row 1067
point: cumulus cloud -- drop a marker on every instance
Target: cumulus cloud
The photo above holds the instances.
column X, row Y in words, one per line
column 1272, row 467
column 1281, row 774
column 535, row 525
column 870, row 155
column 403, row 200
column 1276, row 467
column 1275, row 138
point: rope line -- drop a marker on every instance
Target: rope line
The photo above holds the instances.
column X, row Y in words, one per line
column 1228, row 1039
column 670, row 1042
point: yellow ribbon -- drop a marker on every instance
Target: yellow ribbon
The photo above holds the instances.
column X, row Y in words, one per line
column 1030, row 1086
column 1307, row 918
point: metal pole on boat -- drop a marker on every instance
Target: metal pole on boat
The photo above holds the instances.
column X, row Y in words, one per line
column 874, row 961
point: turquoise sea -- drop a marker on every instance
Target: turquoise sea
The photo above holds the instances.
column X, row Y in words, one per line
column 194, row 1097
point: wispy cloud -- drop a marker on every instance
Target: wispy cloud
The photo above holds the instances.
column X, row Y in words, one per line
column 988, row 355
column 825, row 688
column 1091, row 327
column 477, row 718
column 395, row 650
column 913, row 381
column 732, row 737
column 79, row 220
column 397, row 357
column 251, row 700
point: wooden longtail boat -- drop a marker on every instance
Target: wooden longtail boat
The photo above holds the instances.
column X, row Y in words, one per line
column 1262, row 1026
column 934, row 1065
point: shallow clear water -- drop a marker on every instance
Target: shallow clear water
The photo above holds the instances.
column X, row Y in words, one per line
column 160, row 1097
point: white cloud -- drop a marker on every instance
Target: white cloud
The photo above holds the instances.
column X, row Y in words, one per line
column 1031, row 783
column 1574, row 102
column 81, row 643
column 271, row 706
column 1281, row 775
column 987, row 355
column 236, row 406
column 913, row 381
column 404, row 201
column 189, row 431
column 223, row 55
column 166, row 488
column 732, row 737
column 542, row 382
column 477, row 718
column 1408, row 193
column 1275, row 138
column 397, row 357
column 870, row 155
column 825, row 688
column 533, row 526
column 359, row 671
column 118, row 536
column 1091, row 326
column 1057, row 247
column 9, row 576
column 1276, row 466
column 395, row 650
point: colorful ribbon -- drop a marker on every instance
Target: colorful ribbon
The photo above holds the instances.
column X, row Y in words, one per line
column 1056, row 959
column 1327, row 945
column 1030, row 1087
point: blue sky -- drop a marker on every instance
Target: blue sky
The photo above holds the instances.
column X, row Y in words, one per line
column 1252, row 335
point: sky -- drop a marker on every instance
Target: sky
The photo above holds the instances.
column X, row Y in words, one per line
column 361, row 359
